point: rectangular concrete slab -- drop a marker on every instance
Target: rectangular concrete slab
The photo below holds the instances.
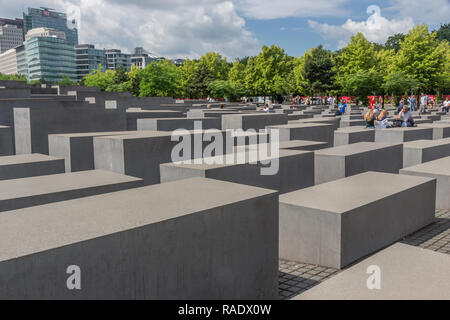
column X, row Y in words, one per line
column 34, row 191
column 439, row 169
column 400, row 135
column 347, row 160
column 29, row 165
column 420, row 151
column 133, row 115
column 440, row 130
column 167, row 241
column 252, row 121
column 398, row 264
column 289, row 170
column 6, row 141
column 171, row 124
column 351, row 135
column 336, row 223
column 305, row 131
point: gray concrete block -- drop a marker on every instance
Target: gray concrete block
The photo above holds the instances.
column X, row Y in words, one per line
column 351, row 135
column 400, row 135
column 252, row 121
column 213, row 113
column 29, row 165
column 133, row 115
column 440, row 130
column 33, row 125
column 420, row 151
column 398, row 265
column 171, row 124
column 156, row 242
column 35, row 191
column 139, row 155
column 333, row 121
column 337, row 223
column 6, row 141
column 347, row 160
column 439, row 169
column 294, row 170
column 11, row 93
column 352, row 123
column 305, row 131
column 303, row 145
column 77, row 149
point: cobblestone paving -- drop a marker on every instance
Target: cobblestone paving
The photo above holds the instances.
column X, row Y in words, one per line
column 295, row 278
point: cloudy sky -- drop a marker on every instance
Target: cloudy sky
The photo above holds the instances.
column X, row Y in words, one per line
column 236, row 28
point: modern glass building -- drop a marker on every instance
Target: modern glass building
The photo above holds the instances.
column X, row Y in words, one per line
column 89, row 58
column 46, row 18
column 116, row 58
column 49, row 56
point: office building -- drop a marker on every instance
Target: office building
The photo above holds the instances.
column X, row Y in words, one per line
column 11, row 36
column 115, row 58
column 8, row 62
column 88, row 59
column 141, row 58
column 49, row 55
column 47, row 18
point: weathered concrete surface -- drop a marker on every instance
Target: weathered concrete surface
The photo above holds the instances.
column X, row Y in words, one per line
column 420, row 151
column 351, row 135
column 400, row 135
column 35, row 191
column 303, row 145
column 333, row 121
column 440, row 130
column 399, row 264
column 6, row 141
column 29, row 165
column 439, row 169
column 33, row 125
column 352, row 123
column 336, row 223
column 305, row 131
column 347, row 160
column 77, row 149
column 171, row 124
column 156, row 242
column 292, row 169
column 252, row 121
column 133, row 115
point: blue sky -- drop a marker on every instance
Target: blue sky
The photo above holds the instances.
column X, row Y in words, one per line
column 236, row 28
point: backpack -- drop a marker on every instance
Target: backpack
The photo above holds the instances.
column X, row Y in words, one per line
column 397, row 123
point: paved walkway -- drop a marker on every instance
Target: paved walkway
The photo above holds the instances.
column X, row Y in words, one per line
column 294, row 277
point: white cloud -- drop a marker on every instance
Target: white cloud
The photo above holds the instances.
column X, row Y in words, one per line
column 430, row 12
column 376, row 28
column 270, row 9
column 174, row 28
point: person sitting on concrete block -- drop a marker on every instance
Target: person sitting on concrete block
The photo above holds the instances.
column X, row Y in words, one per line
column 370, row 119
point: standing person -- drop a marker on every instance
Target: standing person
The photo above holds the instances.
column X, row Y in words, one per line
column 446, row 105
column 412, row 102
column 423, row 103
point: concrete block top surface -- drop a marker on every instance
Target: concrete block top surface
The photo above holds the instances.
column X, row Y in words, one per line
column 435, row 167
column 403, row 129
column 355, row 129
column 340, row 196
column 54, row 183
column 295, row 124
column 299, row 143
column 26, row 158
column 419, row 144
column 407, row 272
column 241, row 153
column 434, row 125
column 93, row 134
column 30, row 230
column 349, row 149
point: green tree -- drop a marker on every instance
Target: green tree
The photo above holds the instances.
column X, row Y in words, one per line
column 200, row 80
column 399, row 84
column 393, row 42
column 97, row 78
column 318, row 71
column 217, row 65
column 443, row 33
column 363, row 84
column 160, row 78
column 422, row 57
column 16, row 77
column 188, row 70
column 220, row 89
column 65, row 81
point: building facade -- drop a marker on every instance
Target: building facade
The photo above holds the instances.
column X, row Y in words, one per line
column 88, row 59
column 49, row 56
column 115, row 58
column 8, row 62
column 46, row 18
column 11, row 36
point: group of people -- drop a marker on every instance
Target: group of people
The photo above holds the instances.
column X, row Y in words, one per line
column 377, row 118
